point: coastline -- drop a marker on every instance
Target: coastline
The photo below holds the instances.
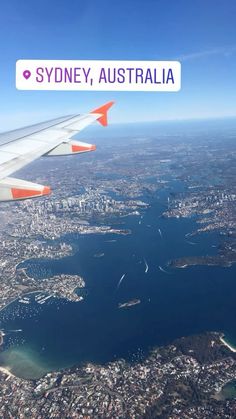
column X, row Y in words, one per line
column 6, row 371
column 229, row 346
column 1, row 337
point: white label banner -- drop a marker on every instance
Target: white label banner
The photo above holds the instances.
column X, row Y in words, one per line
column 100, row 75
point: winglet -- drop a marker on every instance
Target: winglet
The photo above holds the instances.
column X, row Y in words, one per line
column 103, row 111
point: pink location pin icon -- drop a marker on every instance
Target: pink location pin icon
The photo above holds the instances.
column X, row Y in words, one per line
column 26, row 74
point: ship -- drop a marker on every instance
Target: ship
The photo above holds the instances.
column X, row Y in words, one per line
column 99, row 255
column 24, row 300
column 130, row 303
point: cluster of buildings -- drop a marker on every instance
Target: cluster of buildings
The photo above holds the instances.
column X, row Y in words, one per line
column 32, row 230
column 14, row 280
column 164, row 380
column 53, row 218
column 216, row 208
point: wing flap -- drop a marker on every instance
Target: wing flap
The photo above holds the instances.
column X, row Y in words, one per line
column 20, row 146
column 6, row 157
column 17, row 134
column 15, row 162
column 49, row 136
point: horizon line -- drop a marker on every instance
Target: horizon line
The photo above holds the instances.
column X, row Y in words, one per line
column 165, row 120
column 186, row 119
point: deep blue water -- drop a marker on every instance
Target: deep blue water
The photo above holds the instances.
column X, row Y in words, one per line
column 173, row 304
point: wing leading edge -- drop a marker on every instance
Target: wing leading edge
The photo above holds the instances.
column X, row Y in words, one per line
column 53, row 138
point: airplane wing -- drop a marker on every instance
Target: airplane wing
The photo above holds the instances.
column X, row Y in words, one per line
column 51, row 138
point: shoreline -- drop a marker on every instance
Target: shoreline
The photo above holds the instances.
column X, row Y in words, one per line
column 7, row 371
column 1, row 337
column 229, row 346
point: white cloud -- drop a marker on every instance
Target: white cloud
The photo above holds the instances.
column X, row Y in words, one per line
column 226, row 51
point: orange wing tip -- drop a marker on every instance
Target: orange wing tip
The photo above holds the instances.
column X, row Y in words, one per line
column 103, row 111
column 81, row 149
column 29, row 193
column 46, row 190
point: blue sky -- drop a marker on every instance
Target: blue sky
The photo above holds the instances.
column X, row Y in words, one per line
column 201, row 34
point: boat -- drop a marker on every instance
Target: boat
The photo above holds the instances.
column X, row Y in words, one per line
column 129, row 303
column 44, row 299
column 39, row 297
column 25, row 300
column 99, row 255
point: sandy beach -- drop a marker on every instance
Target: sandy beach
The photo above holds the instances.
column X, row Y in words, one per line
column 1, row 337
column 6, row 371
column 232, row 348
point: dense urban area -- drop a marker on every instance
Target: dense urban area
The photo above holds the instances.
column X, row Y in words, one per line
column 182, row 380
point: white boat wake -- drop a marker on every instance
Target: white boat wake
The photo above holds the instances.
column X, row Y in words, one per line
column 160, row 232
column 120, row 281
column 163, row 270
column 146, row 265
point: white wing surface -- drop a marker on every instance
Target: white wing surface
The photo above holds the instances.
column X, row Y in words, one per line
column 52, row 138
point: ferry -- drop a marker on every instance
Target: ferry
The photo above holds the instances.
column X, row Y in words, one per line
column 129, row 303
